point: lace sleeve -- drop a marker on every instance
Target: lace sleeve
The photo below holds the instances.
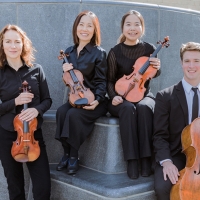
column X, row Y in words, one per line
column 111, row 75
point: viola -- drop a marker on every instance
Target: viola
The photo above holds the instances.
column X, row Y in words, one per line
column 79, row 95
column 25, row 148
column 132, row 87
column 187, row 187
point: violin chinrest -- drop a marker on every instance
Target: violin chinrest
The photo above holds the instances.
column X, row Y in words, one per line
column 81, row 102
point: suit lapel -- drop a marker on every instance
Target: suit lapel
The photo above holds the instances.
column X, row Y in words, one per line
column 182, row 99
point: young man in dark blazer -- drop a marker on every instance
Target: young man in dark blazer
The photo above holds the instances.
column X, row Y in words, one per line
column 173, row 112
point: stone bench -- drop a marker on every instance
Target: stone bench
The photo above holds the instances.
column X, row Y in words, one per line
column 102, row 173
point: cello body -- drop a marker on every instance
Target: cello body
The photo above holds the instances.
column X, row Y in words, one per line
column 188, row 185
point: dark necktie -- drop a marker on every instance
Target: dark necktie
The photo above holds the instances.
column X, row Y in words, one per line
column 195, row 105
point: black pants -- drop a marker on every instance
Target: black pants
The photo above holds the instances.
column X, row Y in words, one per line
column 136, row 127
column 162, row 187
column 74, row 124
column 38, row 169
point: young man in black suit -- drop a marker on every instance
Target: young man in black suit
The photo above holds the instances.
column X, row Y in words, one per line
column 173, row 112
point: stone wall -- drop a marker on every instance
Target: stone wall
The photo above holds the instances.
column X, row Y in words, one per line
column 48, row 23
column 189, row 4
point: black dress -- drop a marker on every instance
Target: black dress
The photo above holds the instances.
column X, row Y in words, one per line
column 74, row 124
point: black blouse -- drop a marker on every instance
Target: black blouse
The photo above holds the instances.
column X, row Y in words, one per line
column 91, row 62
column 121, row 59
column 10, row 82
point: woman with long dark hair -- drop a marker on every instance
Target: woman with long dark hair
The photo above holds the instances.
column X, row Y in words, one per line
column 86, row 55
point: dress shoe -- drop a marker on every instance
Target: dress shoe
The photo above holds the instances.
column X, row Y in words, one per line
column 132, row 169
column 146, row 166
column 63, row 163
column 73, row 165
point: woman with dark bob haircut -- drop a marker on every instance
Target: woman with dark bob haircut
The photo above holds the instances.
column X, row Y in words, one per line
column 75, row 124
column 16, row 66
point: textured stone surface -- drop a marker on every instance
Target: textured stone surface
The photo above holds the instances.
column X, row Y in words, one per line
column 89, row 184
column 102, row 151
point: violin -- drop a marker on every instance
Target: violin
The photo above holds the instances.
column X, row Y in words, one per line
column 79, row 95
column 187, row 187
column 25, row 148
column 132, row 87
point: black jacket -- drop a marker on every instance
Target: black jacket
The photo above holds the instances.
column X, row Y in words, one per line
column 91, row 62
column 11, row 81
column 170, row 117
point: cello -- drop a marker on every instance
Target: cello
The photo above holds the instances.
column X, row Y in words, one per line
column 79, row 95
column 188, row 185
column 132, row 87
column 25, row 148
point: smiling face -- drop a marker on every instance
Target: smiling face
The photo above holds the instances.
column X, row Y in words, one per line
column 85, row 29
column 191, row 67
column 12, row 45
column 132, row 29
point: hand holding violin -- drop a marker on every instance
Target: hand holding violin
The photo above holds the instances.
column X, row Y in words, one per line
column 117, row 100
column 28, row 114
column 155, row 62
column 23, row 98
column 67, row 67
column 92, row 105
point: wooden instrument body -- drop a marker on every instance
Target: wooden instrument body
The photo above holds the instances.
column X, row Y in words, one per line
column 188, row 185
column 79, row 95
column 77, row 89
column 132, row 87
column 25, row 148
column 134, row 83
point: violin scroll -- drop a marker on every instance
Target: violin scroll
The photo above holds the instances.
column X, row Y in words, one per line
column 165, row 42
column 63, row 56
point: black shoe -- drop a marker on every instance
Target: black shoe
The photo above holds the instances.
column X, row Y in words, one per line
column 146, row 166
column 63, row 163
column 132, row 169
column 73, row 165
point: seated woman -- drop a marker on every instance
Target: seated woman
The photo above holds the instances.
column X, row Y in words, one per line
column 75, row 124
column 135, row 119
